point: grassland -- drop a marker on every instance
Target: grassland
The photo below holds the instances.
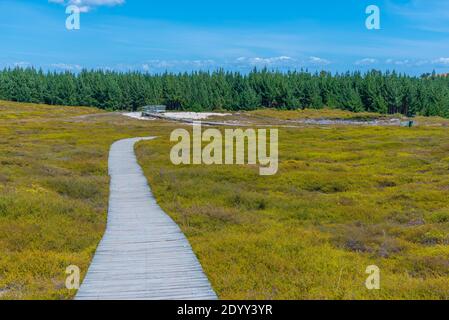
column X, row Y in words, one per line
column 344, row 198
column 54, row 192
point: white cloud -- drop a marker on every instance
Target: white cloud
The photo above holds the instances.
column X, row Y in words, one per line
column 257, row 61
column 87, row 5
column 22, row 64
column 418, row 63
column 421, row 63
column 365, row 62
column 68, row 67
column 277, row 62
column 441, row 61
column 318, row 61
column 165, row 64
column 398, row 62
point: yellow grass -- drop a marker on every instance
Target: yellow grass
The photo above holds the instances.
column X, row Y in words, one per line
column 344, row 198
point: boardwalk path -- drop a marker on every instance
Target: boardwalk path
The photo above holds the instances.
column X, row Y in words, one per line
column 143, row 254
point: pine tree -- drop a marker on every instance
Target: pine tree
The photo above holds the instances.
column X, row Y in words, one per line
column 374, row 91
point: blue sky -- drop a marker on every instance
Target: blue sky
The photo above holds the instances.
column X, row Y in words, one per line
column 176, row 35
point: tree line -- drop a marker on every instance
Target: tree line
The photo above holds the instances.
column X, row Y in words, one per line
column 373, row 91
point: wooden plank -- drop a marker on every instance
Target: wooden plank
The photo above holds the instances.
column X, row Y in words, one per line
column 143, row 254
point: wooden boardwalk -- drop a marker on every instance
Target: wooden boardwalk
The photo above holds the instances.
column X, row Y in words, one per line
column 143, row 254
